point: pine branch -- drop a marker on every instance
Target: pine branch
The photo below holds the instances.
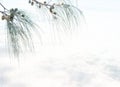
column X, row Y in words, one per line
column 19, row 30
column 20, row 26
column 66, row 15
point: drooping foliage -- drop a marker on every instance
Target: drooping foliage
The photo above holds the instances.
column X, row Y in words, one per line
column 20, row 26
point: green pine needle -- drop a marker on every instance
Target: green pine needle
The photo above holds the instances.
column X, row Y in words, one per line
column 19, row 32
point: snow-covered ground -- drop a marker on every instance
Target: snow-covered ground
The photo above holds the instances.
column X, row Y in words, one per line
column 90, row 58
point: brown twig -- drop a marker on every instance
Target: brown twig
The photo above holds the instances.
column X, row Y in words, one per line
column 3, row 6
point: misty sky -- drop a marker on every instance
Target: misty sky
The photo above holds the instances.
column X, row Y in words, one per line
column 89, row 59
column 102, row 17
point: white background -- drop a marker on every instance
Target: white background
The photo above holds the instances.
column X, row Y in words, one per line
column 88, row 58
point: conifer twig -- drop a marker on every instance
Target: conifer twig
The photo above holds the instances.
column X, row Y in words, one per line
column 19, row 30
column 66, row 15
